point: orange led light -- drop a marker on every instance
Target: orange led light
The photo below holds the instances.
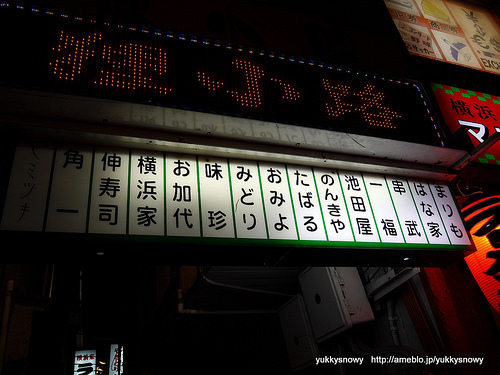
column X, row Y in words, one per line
column 253, row 75
column 134, row 66
column 207, row 82
column 373, row 111
column 289, row 92
column 337, row 106
column 70, row 54
column 367, row 101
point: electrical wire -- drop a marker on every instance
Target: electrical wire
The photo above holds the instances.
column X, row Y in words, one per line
column 244, row 288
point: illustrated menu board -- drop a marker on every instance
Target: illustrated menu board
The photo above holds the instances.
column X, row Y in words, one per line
column 448, row 30
column 107, row 190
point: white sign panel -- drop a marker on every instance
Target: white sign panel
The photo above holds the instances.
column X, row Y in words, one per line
column 408, row 216
column 24, row 207
column 69, row 195
column 216, row 202
column 429, row 214
column 308, row 213
column 277, row 201
column 449, row 213
column 182, row 196
column 385, row 215
column 85, row 362
column 149, row 193
column 361, row 214
column 116, row 360
column 335, row 214
column 247, row 197
column 109, row 191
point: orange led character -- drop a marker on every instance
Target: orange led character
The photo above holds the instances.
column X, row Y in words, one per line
column 71, row 53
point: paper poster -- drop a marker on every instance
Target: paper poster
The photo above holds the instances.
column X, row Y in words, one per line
column 447, row 30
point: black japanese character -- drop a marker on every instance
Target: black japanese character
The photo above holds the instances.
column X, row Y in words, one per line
column 182, row 193
column 182, row 168
column 186, row 213
column 337, row 225
column 310, row 225
column 28, row 188
column 84, row 368
column 305, row 200
column 213, row 171
column 276, row 199
column 23, row 208
column 274, row 176
column 113, row 161
column 398, row 187
column 358, row 204
column 327, row 179
column 485, row 112
column 412, row 228
column 352, row 183
column 217, row 219
column 333, row 209
column 427, row 209
column 456, row 231
column 449, row 209
column 147, row 189
column 329, row 195
column 388, row 227
column 254, row 221
column 281, row 226
column 245, row 195
column 243, row 174
column 147, row 165
column 420, row 189
column 73, row 157
column 434, row 229
column 461, row 107
column 440, row 191
column 109, row 186
column 108, row 213
column 364, row 226
column 146, row 216
column 299, row 178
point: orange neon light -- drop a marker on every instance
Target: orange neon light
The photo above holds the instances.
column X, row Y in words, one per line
column 481, row 261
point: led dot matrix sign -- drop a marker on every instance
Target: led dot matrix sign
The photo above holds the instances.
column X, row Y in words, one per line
column 61, row 52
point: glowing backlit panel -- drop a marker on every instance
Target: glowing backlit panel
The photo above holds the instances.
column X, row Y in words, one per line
column 484, row 263
column 85, row 362
column 449, row 30
column 116, row 359
column 472, row 117
column 82, row 56
column 106, row 190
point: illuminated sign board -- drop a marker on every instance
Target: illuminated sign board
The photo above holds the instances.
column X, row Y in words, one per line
column 61, row 52
column 116, row 360
column 448, row 30
column 85, row 362
column 113, row 191
column 472, row 117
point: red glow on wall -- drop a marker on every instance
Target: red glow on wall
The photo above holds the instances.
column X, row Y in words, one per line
column 481, row 262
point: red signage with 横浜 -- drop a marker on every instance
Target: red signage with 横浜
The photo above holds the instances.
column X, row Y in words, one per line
column 472, row 117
